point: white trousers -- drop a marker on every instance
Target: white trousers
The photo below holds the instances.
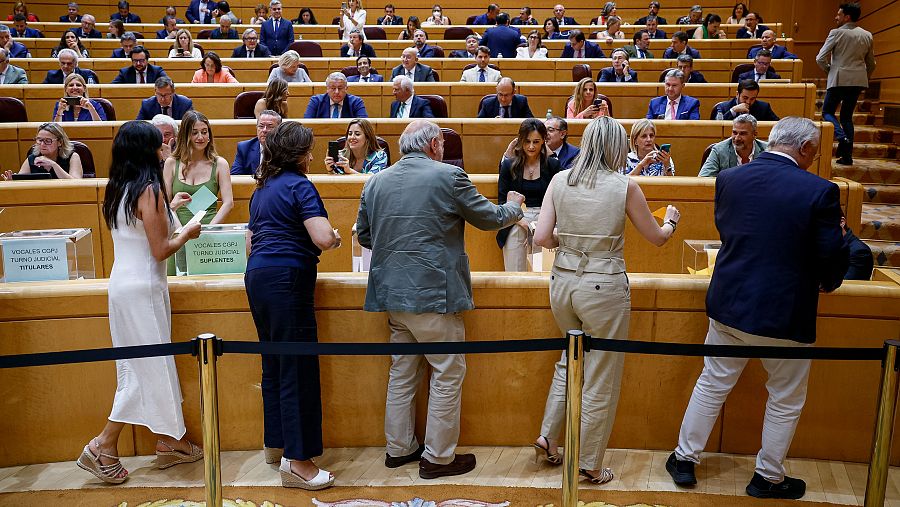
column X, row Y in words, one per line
column 520, row 243
column 787, row 394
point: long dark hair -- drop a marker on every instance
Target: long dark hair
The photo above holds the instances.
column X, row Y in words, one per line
column 312, row 17
column 62, row 42
column 286, row 149
column 134, row 167
column 529, row 125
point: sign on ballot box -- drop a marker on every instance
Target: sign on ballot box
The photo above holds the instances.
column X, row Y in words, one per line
column 220, row 250
column 51, row 254
column 698, row 256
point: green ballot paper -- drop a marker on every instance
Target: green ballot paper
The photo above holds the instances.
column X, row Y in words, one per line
column 201, row 200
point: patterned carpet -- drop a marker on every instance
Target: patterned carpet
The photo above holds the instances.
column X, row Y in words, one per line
column 880, row 221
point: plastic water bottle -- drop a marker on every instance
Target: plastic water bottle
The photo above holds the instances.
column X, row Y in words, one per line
column 719, row 115
column 549, row 113
column 499, row 55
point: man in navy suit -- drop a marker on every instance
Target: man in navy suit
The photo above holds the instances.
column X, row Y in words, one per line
column 201, row 11
column 489, row 17
column 364, row 67
column 335, row 102
column 502, row 39
column 125, row 14
column 140, row 71
column 745, row 102
column 164, row 101
column 559, row 12
column 653, row 11
column 128, row 42
column 224, row 31
column 20, row 29
column 389, row 17
column 506, row 104
column 762, row 68
column 620, row 72
column 411, row 68
column 781, row 246
column 87, row 30
column 420, row 40
column 680, row 46
column 72, row 16
column 578, row 47
column 673, row 105
column 68, row 64
column 355, row 46
column 169, row 28
column 251, row 48
column 276, row 33
column 767, row 41
column 558, row 141
column 471, row 50
column 407, row 104
column 16, row 49
column 686, row 65
column 247, row 159
column 524, row 17
column 653, row 28
column 752, row 28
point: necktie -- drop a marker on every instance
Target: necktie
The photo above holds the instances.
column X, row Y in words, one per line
column 758, row 77
column 276, row 24
column 481, row 76
column 409, row 74
column 165, row 110
column 504, row 112
column 141, row 78
column 671, row 110
column 401, row 109
column 249, row 54
column 365, row 78
column 578, row 53
column 641, row 53
column 335, row 111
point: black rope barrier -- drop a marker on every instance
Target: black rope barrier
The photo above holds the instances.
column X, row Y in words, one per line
column 93, row 355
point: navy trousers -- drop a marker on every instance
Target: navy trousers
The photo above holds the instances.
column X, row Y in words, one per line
column 847, row 96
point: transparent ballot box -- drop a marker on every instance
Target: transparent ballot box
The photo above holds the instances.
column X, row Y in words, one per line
column 50, row 254
column 220, row 250
column 541, row 259
column 698, row 256
column 362, row 257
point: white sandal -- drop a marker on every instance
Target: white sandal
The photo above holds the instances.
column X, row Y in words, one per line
column 289, row 479
column 106, row 473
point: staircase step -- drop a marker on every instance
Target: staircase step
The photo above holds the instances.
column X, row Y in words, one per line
column 880, row 221
column 886, row 253
column 876, row 134
column 882, row 194
column 858, row 118
column 869, row 171
column 872, row 150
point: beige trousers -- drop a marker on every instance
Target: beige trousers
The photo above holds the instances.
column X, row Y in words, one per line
column 444, row 398
column 519, row 244
column 599, row 304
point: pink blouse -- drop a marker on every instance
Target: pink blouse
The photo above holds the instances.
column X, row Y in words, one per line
column 220, row 77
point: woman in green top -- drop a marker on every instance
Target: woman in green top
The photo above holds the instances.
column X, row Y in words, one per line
column 194, row 163
column 710, row 28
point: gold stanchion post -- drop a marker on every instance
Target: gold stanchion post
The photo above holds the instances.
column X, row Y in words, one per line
column 207, row 347
column 574, row 379
column 884, row 426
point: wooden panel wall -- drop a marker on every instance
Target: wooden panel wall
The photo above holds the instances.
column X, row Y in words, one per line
column 879, row 17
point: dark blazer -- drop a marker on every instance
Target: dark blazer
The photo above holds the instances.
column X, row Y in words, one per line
column 696, row 77
column 56, row 76
column 568, row 21
column 781, row 242
column 506, row 183
column 760, row 110
column 608, row 75
column 861, row 261
column 65, row 19
column 658, row 34
column 567, row 155
column 118, row 53
column 29, row 33
column 670, row 53
column 93, row 34
column 462, row 53
column 18, row 50
column 778, row 53
column 261, row 51
column 246, row 161
column 502, row 39
column 396, row 20
column 130, row 18
column 365, row 50
column 591, row 50
column 518, row 109
column 150, row 107
column 276, row 42
column 744, row 33
column 193, row 11
column 373, row 78
column 751, row 74
column 162, row 34
column 217, row 34
column 420, row 108
column 643, row 21
column 423, row 72
column 688, row 108
column 320, row 107
column 518, row 22
column 129, row 76
column 482, row 19
column 426, row 51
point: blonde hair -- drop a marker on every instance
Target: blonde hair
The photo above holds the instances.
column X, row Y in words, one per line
column 182, row 151
column 638, row 129
column 177, row 45
column 73, row 77
column 289, row 57
column 65, row 145
column 578, row 96
column 604, row 146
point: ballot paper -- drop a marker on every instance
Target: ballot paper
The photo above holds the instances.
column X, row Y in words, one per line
column 660, row 213
column 201, row 200
column 195, row 220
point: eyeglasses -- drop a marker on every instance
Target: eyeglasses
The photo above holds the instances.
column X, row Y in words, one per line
column 44, row 140
column 251, row 38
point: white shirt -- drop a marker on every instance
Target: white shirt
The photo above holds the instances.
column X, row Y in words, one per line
column 411, row 74
column 359, row 16
column 785, row 155
column 407, row 105
column 749, row 158
column 669, row 108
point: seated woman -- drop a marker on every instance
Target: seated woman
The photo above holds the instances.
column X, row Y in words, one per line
column 645, row 157
column 289, row 69
column 534, row 49
column 551, row 29
column 116, row 29
column 71, row 41
column 412, row 24
column 274, row 98
column 260, row 14
column 738, row 14
column 527, row 168
column 211, row 71
column 21, row 8
column 437, row 17
column 306, row 17
column 52, row 153
column 581, row 104
column 184, row 46
column 710, row 28
column 361, row 153
column 613, row 23
column 608, row 11
column 84, row 109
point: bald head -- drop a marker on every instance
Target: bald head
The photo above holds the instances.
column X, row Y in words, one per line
column 409, row 58
column 768, row 39
column 505, row 90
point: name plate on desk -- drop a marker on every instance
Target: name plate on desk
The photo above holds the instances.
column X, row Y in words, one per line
column 220, row 250
column 56, row 254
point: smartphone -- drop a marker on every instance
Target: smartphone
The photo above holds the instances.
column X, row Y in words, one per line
column 343, row 6
column 73, row 101
column 598, row 102
column 334, row 153
column 180, row 51
column 666, row 148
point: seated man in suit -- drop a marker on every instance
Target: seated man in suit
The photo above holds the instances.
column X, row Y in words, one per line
column 411, row 68
column 767, row 42
column 169, row 28
column 9, row 73
column 249, row 155
column 674, row 105
column 251, row 48
column 481, row 72
column 389, row 17
column 640, row 46
column 744, row 102
column 559, row 12
column 68, row 64
column 87, row 30
column 686, row 65
column 739, row 149
column 20, row 29
column 420, row 41
column 224, row 31
column 125, row 14
column 578, row 47
column 762, row 68
column 620, row 72
column 680, row 46
column 653, row 11
column 140, row 71
column 276, row 33
column 558, row 141
column 471, row 50
column 335, row 102
column 752, row 29
column 72, row 16
column 201, row 11
column 524, row 17
column 356, row 47
column 128, row 41
column 16, row 49
column 164, row 101
column 502, row 39
column 364, row 67
column 489, row 17
column 406, row 103
column 506, row 104
column 653, row 28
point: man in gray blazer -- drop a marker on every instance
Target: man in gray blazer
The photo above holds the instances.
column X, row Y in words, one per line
column 413, row 217
column 9, row 73
column 848, row 58
column 741, row 148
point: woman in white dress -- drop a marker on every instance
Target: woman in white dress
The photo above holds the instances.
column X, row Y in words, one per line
column 534, row 49
column 148, row 393
column 352, row 16
column 184, row 46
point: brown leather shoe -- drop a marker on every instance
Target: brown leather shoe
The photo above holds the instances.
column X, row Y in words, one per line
column 461, row 464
